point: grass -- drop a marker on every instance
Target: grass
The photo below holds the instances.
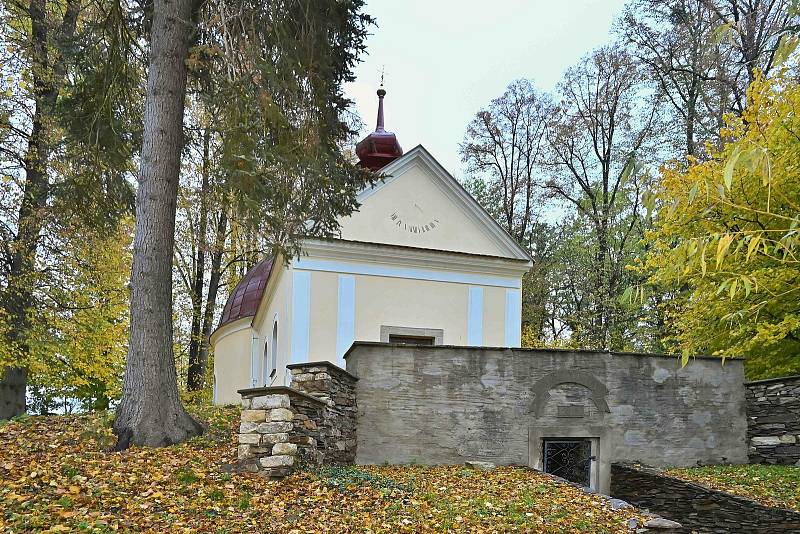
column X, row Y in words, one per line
column 772, row 485
column 57, row 476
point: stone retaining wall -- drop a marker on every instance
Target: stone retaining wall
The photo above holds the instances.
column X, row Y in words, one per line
column 312, row 422
column 448, row 404
column 272, row 437
column 337, row 388
column 697, row 508
column 773, row 420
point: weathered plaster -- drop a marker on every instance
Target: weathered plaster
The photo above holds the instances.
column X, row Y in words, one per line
column 450, row 404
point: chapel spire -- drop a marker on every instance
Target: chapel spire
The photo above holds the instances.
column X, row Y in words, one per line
column 381, row 94
column 379, row 148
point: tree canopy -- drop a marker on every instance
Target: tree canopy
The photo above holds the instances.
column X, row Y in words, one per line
column 727, row 241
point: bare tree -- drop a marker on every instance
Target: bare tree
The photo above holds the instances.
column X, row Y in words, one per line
column 502, row 149
column 674, row 41
column 753, row 28
column 603, row 124
column 703, row 54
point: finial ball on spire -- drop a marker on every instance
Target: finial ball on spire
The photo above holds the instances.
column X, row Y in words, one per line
column 381, row 92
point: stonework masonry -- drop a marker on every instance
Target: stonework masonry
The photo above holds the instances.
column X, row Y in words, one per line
column 697, row 508
column 312, row 423
column 773, row 420
column 269, row 442
column 336, row 432
column 446, row 405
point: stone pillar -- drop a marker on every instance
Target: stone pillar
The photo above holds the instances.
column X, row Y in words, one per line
column 268, row 441
column 336, row 432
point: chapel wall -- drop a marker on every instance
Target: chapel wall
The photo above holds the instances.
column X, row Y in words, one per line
column 232, row 362
column 402, row 302
column 277, row 309
column 446, row 405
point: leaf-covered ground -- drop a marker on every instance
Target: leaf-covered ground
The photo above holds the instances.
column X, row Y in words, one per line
column 56, row 476
column 772, row 485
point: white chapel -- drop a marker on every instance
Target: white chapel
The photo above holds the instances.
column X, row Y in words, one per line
column 419, row 262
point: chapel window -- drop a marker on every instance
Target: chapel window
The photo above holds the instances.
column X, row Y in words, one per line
column 412, row 340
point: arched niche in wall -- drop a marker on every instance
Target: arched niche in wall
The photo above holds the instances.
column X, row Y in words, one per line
column 543, row 386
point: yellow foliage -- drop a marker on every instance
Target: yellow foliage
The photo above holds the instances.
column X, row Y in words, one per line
column 56, row 472
column 79, row 327
column 726, row 239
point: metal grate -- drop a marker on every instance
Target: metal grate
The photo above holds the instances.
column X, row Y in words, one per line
column 568, row 459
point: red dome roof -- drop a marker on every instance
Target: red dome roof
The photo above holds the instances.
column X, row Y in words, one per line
column 379, row 148
column 247, row 294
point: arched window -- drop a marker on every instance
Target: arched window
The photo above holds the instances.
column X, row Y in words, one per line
column 274, row 347
column 270, row 356
column 265, row 365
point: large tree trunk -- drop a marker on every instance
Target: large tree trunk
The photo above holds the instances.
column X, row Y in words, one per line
column 150, row 412
column 12, row 392
column 48, row 71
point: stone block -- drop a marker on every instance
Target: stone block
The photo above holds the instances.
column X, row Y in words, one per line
column 276, row 461
column 305, row 441
column 280, row 414
column 310, row 424
column 254, row 416
column 659, row 523
column 272, row 439
column 787, row 439
column 249, row 439
column 302, row 377
column 765, row 440
column 244, row 452
column 322, row 376
column 247, row 428
column 619, row 504
column 276, row 472
column 248, row 466
column 269, row 402
column 274, row 427
column 246, row 403
column 280, row 449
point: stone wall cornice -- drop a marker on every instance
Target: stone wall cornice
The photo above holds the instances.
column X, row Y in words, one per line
column 536, row 352
column 786, row 379
column 328, row 365
column 249, row 393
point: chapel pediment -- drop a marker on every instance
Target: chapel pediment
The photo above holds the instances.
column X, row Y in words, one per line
column 419, row 204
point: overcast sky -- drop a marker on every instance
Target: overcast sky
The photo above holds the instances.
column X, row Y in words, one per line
column 445, row 59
